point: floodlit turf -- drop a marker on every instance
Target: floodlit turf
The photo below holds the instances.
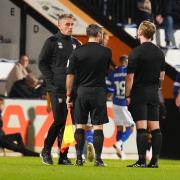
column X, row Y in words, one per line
column 23, row 168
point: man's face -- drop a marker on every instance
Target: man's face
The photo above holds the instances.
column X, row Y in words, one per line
column 105, row 40
column 125, row 63
column 100, row 38
column 138, row 34
column 66, row 26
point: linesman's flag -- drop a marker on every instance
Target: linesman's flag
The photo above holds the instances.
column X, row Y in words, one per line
column 68, row 137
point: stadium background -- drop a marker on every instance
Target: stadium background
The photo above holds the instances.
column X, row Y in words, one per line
column 26, row 24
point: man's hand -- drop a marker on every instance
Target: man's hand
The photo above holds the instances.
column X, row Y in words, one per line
column 69, row 102
column 128, row 99
column 69, row 85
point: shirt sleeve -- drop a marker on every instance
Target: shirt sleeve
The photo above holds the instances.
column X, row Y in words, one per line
column 72, row 63
column 163, row 66
column 45, row 60
column 132, row 62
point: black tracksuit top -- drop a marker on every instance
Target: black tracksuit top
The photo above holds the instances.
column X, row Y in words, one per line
column 53, row 61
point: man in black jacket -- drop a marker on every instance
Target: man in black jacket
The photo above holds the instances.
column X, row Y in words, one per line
column 52, row 63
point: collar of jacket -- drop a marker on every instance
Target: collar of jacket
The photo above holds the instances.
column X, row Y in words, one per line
column 63, row 36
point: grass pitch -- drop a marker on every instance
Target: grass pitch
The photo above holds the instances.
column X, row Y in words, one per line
column 24, row 168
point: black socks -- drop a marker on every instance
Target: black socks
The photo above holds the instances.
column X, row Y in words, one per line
column 98, row 140
column 80, row 139
column 156, row 144
column 142, row 144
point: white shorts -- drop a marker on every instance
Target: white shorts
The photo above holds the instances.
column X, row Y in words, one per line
column 122, row 117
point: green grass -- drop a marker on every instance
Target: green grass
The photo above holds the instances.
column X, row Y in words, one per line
column 23, row 168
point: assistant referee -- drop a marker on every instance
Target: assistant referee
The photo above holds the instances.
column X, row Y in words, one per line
column 146, row 68
column 90, row 63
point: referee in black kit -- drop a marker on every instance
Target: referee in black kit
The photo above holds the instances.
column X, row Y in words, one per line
column 90, row 64
column 53, row 64
column 146, row 68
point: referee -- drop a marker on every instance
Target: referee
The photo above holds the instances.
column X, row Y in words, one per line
column 90, row 63
column 146, row 68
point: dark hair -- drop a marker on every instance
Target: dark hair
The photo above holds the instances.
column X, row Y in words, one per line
column 123, row 58
column 21, row 57
column 64, row 16
column 92, row 30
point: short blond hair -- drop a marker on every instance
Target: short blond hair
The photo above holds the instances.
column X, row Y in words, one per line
column 148, row 29
column 65, row 16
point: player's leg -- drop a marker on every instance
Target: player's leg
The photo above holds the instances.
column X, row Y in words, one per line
column 128, row 123
column 118, row 146
column 90, row 155
column 117, row 112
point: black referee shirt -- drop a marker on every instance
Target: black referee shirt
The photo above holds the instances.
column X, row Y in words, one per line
column 146, row 62
column 90, row 63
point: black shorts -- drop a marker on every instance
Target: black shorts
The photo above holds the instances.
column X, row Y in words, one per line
column 145, row 104
column 91, row 100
